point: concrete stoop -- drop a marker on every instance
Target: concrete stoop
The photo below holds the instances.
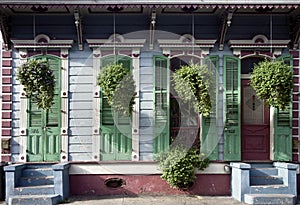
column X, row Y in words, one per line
column 265, row 183
column 277, row 199
column 44, row 199
column 37, row 184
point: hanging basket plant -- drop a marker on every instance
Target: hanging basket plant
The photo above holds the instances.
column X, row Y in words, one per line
column 38, row 81
column 193, row 83
column 273, row 81
column 118, row 87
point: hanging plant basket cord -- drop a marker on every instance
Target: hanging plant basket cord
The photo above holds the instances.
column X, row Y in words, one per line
column 273, row 81
column 38, row 81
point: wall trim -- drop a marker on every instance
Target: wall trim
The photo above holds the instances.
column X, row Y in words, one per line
column 132, row 168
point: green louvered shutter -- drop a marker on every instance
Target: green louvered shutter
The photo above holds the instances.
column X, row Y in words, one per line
column 53, row 116
column 161, row 86
column 283, row 128
column 35, row 135
column 43, row 136
column 232, row 109
column 209, row 144
column 115, row 140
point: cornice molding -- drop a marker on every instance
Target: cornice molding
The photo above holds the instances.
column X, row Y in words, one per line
column 42, row 41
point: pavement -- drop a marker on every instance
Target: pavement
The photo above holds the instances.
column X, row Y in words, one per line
column 152, row 200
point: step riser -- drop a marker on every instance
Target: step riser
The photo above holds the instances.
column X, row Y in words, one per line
column 264, row 172
column 37, row 172
column 36, row 181
column 34, row 190
column 40, row 201
column 262, row 165
column 265, row 181
column 270, row 190
column 285, row 200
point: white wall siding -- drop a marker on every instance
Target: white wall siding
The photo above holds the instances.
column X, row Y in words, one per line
column 81, row 108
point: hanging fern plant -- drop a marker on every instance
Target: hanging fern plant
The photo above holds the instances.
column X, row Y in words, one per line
column 193, row 83
column 273, row 81
column 118, row 87
column 38, row 81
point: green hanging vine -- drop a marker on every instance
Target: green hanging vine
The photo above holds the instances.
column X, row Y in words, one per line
column 273, row 81
column 38, row 81
column 193, row 83
column 117, row 85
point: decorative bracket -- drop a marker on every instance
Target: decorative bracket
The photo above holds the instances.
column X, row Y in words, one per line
column 152, row 29
column 78, row 25
column 5, row 30
column 295, row 33
column 226, row 22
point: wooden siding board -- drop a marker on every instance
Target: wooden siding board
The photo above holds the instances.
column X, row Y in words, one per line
column 84, row 139
column 80, row 156
column 80, row 131
column 80, row 97
column 79, row 105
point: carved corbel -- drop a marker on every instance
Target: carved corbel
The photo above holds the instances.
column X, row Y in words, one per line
column 295, row 32
column 78, row 25
column 225, row 23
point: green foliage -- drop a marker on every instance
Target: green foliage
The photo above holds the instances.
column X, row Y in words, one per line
column 193, row 83
column 117, row 85
column 38, row 81
column 273, row 81
column 178, row 166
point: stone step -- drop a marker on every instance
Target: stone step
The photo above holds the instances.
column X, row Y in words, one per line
column 266, row 180
column 35, row 181
column 263, row 171
column 29, row 172
column 34, row 190
column 269, row 189
column 278, row 199
column 262, row 165
column 34, row 199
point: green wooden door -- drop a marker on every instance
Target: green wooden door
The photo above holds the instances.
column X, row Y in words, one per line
column 116, row 130
column 283, row 128
column 43, row 127
column 232, row 108
column 161, row 104
column 209, row 144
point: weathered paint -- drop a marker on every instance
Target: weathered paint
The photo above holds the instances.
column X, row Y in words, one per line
column 205, row 184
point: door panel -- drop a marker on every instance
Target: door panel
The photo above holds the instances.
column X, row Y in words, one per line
column 232, row 108
column 161, row 104
column 43, row 133
column 283, row 128
column 116, row 130
column 210, row 138
column 255, row 125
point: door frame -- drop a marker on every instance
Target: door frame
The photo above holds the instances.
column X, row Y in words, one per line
column 266, row 115
column 57, row 48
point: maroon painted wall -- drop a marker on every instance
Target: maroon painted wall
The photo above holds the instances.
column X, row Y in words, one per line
column 205, row 184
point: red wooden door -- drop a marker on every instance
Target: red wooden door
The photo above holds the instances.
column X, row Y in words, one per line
column 255, row 125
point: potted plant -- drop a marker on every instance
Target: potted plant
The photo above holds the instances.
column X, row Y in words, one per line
column 273, row 81
column 118, row 87
column 38, row 81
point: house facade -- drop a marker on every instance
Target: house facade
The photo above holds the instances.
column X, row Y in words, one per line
column 152, row 39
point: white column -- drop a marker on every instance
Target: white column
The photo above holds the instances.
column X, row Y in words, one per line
column 23, row 113
column 272, row 130
column 96, row 106
column 136, row 108
column 64, row 105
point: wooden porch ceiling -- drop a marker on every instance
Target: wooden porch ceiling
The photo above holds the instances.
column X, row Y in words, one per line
column 225, row 9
